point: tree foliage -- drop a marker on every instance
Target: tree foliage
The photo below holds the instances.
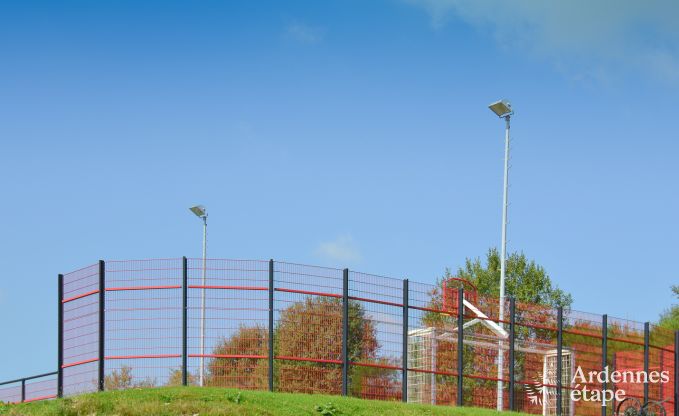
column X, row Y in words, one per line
column 245, row 373
column 670, row 318
column 312, row 329
column 525, row 280
column 122, row 379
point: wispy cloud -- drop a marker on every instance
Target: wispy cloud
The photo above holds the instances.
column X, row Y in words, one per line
column 302, row 33
column 343, row 249
column 577, row 34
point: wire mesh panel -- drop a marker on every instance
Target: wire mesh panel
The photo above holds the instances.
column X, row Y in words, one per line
column 626, row 353
column 375, row 336
column 485, row 339
column 661, row 364
column 81, row 330
column 228, row 323
column 10, row 393
column 41, row 389
column 308, row 336
column 143, row 323
column 535, row 356
column 432, row 347
column 582, row 343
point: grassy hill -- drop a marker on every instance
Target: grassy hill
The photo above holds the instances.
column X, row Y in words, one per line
column 194, row 401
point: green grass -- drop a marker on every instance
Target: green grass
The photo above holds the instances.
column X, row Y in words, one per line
column 193, row 401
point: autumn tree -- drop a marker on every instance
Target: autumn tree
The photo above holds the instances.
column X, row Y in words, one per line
column 307, row 344
column 246, row 371
column 313, row 329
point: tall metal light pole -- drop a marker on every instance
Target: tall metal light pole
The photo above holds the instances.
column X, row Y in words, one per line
column 201, row 212
column 503, row 109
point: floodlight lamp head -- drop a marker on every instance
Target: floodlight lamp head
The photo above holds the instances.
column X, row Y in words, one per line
column 502, row 108
column 199, row 210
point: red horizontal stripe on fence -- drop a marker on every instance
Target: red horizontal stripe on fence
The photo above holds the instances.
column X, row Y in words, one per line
column 228, row 287
column 79, row 363
column 440, row 373
column 586, row 334
column 312, row 360
column 228, row 356
column 115, row 289
column 35, row 399
column 421, row 308
column 381, row 302
column 386, row 367
column 626, row 340
column 133, row 357
column 485, row 378
column 80, row 296
column 307, row 292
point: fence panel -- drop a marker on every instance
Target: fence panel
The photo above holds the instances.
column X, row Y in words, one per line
column 582, row 339
column 41, row 389
column 235, row 349
column 485, row 337
column 536, row 353
column 143, row 323
column 376, row 321
column 661, row 359
column 81, row 330
column 10, row 393
column 432, row 347
column 308, row 340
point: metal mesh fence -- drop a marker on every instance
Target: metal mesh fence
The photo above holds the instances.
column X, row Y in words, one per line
column 308, row 328
column 334, row 331
column 233, row 347
column 80, row 330
column 376, row 319
column 143, row 323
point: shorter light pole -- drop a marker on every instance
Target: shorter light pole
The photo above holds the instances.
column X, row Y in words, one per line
column 503, row 109
column 201, row 212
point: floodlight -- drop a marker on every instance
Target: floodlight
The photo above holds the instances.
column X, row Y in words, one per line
column 502, row 108
column 199, row 210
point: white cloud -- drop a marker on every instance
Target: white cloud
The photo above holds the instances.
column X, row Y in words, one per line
column 342, row 249
column 581, row 35
column 304, row 34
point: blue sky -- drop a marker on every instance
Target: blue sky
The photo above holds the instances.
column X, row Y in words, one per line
column 341, row 133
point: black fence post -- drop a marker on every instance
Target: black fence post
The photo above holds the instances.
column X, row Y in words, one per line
column 185, row 323
column 604, row 356
column 676, row 373
column 271, row 323
column 345, row 332
column 647, row 336
column 23, row 390
column 559, row 363
column 512, row 342
column 460, row 346
column 404, row 376
column 60, row 337
column 102, row 322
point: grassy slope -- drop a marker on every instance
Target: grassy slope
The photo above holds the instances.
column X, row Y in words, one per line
column 218, row 401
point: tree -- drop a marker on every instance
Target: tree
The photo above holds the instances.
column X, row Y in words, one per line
column 246, row 371
column 175, row 378
column 122, row 379
column 308, row 329
column 525, row 280
column 536, row 298
column 670, row 318
column 313, row 329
